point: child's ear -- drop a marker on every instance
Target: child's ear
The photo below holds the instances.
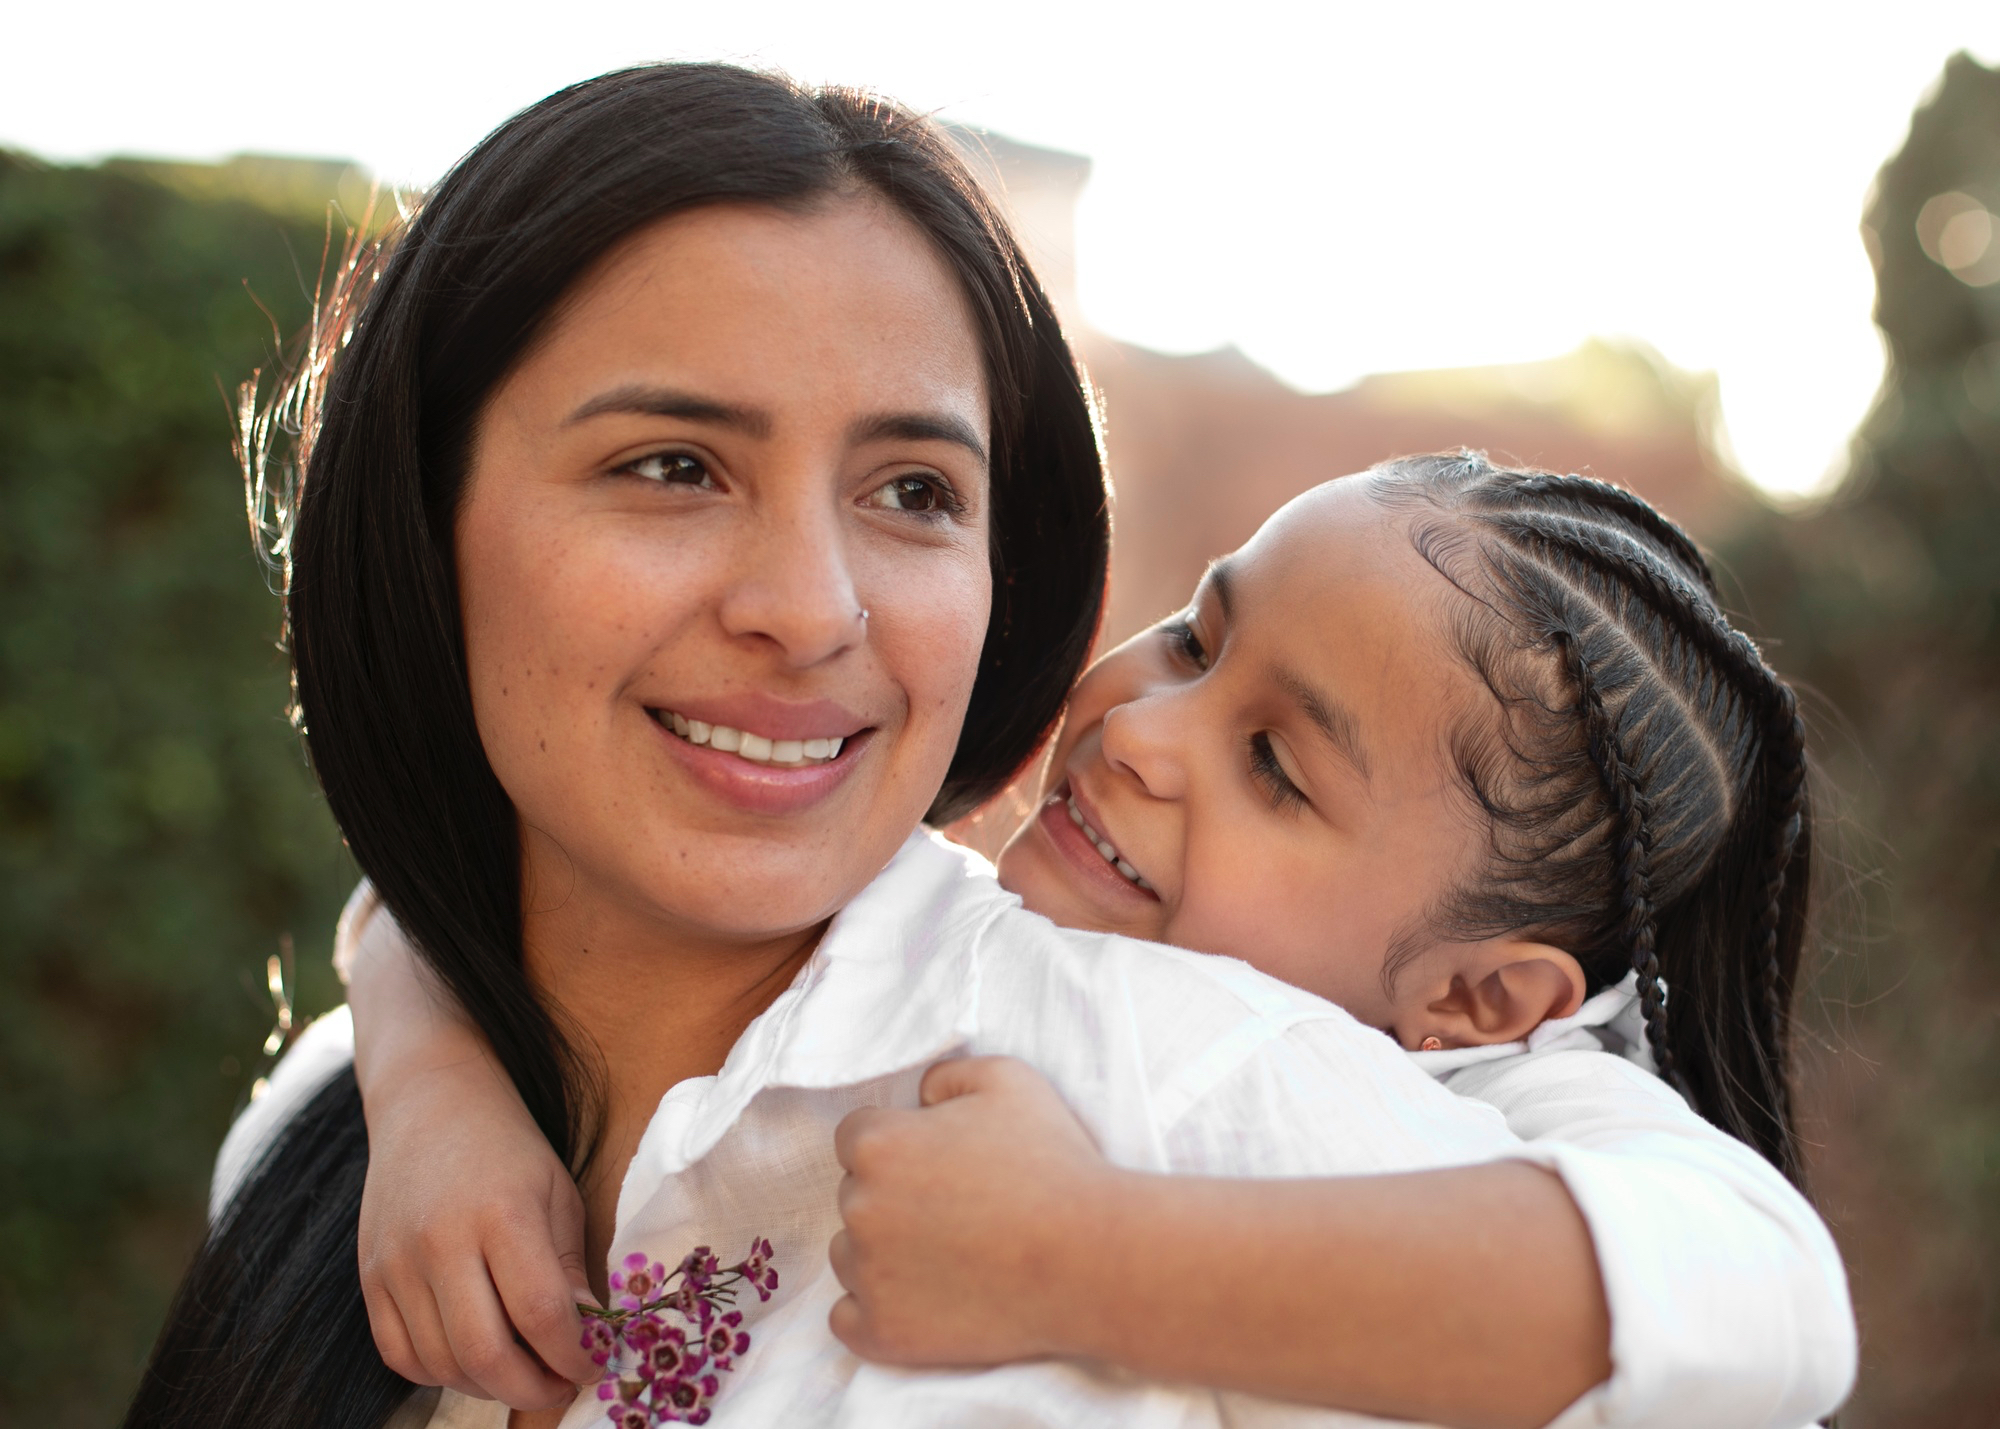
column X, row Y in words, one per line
column 1497, row 991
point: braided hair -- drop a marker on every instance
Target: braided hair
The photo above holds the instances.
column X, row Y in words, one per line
column 1645, row 782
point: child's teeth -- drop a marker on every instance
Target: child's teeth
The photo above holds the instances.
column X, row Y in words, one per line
column 754, row 747
column 1105, row 850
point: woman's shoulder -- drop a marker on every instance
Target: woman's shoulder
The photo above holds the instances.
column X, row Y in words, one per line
column 314, row 1059
column 1069, row 982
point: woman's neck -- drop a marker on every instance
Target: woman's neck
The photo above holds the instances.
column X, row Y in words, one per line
column 655, row 1005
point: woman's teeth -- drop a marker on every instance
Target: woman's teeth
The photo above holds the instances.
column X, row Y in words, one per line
column 753, row 747
column 1104, row 848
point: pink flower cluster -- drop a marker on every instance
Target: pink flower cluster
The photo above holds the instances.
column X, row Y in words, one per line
column 665, row 1347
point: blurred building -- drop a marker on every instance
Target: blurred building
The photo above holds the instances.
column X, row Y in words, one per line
column 1204, row 447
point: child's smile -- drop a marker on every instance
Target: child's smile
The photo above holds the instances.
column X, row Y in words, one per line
column 1092, row 855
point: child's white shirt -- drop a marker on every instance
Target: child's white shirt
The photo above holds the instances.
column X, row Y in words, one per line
column 1728, row 1301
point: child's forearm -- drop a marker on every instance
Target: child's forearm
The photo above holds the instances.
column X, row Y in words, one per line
column 1467, row 1297
column 404, row 1023
column 987, row 1228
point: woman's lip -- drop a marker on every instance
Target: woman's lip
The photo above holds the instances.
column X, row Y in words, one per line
column 765, row 788
column 1082, row 855
column 773, row 718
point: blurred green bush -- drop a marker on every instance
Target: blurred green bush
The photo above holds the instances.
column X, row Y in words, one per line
column 159, row 831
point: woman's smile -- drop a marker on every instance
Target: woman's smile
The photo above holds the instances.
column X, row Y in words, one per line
column 765, row 755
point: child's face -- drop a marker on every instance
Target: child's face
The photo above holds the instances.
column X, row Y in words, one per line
column 1274, row 764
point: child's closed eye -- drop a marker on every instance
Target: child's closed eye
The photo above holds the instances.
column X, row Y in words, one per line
column 1268, row 770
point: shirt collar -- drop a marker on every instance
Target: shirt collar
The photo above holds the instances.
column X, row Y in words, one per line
column 893, row 984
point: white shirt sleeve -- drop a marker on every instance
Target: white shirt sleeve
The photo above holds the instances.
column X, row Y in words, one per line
column 1729, row 1304
column 316, row 1057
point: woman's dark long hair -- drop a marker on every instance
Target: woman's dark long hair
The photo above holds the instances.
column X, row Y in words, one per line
column 269, row 1327
column 1645, row 784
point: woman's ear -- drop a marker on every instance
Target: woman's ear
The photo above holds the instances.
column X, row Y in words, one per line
column 1492, row 992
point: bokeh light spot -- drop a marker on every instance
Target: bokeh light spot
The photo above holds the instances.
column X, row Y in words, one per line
column 1959, row 234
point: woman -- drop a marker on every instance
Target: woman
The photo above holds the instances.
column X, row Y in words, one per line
column 967, row 544
column 495, row 599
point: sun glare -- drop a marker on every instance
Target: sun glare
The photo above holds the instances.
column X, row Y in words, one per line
column 1337, row 190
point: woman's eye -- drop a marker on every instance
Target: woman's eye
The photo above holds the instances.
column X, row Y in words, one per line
column 671, row 469
column 1181, row 633
column 1267, row 770
column 924, row 495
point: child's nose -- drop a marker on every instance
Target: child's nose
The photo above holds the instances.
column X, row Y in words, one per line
column 1147, row 738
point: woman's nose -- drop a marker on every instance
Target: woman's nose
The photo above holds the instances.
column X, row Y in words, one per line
column 1147, row 738
column 794, row 588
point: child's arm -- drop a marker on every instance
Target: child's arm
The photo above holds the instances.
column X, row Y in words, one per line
column 987, row 1228
column 471, row 1227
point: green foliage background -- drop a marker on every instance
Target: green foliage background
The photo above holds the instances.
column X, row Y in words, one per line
column 159, row 833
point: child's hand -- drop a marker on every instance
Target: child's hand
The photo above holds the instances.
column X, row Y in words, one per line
column 472, row 1232
column 969, row 1222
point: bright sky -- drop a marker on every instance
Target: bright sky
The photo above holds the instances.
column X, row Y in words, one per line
column 1335, row 188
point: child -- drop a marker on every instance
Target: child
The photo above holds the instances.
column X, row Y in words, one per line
column 1464, row 751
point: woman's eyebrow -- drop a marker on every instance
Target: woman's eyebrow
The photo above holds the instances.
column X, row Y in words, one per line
column 919, row 427
column 669, row 402
column 1334, row 721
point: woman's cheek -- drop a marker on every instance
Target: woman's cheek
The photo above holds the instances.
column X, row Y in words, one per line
column 934, row 634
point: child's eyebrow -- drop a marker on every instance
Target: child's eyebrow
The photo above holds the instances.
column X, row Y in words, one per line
column 1220, row 580
column 1334, row 721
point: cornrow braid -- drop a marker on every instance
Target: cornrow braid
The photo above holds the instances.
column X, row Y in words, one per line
column 1644, row 776
column 1785, row 733
column 1782, row 735
column 1617, row 501
column 1632, row 848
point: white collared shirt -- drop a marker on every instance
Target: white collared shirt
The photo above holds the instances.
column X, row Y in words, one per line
column 1179, row 1062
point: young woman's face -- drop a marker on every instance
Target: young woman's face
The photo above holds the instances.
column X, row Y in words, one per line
column 1268, row 775
column 728, row 517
